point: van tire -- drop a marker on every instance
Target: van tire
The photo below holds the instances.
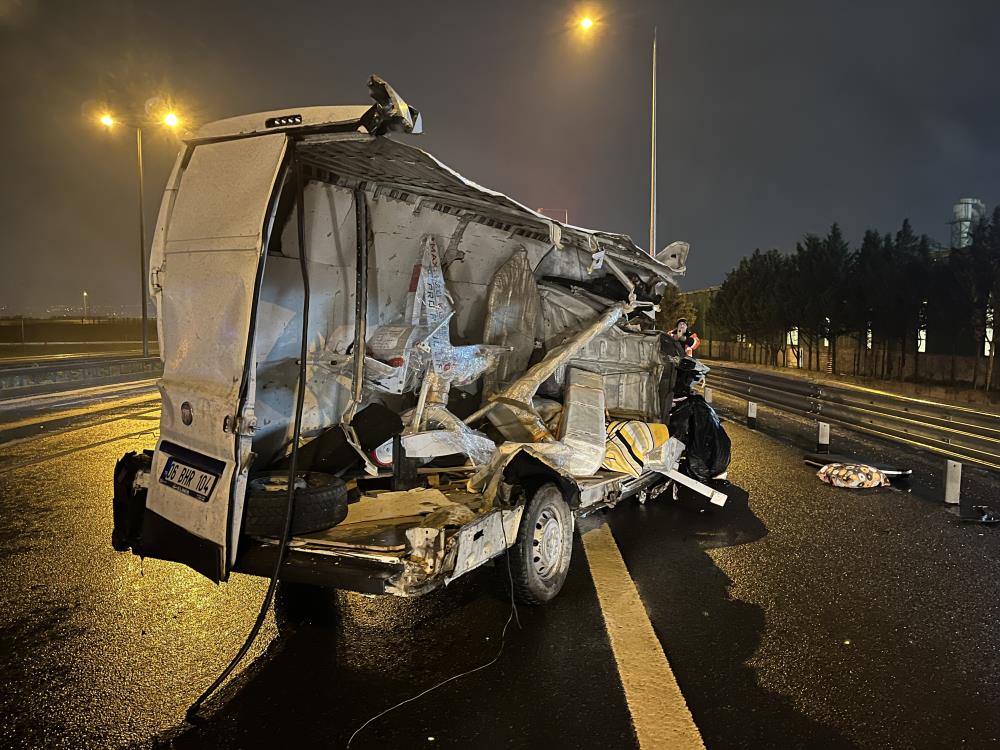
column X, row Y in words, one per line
column 320, row 503
column 541, row 554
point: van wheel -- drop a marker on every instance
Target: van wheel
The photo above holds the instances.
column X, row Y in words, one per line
column 320, row 503
column 540, row 556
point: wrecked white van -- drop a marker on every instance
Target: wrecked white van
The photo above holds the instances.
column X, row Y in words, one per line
column 472, row 375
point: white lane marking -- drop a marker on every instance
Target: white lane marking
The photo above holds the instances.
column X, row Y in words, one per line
column 660, row 715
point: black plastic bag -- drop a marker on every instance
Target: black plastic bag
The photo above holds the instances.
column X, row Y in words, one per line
column 707, row 446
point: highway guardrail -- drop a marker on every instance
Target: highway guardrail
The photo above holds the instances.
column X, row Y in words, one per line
column 958, row 432
column 28, row 379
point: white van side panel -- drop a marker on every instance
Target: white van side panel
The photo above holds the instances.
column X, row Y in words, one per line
column 211, row 255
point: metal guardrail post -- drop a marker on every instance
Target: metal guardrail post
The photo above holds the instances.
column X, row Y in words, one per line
column 822, row 437
column 953, row 483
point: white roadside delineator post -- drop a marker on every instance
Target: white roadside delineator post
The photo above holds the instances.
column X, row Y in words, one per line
column 708, row 395
column 953, row 483
column 822, row 437
column 752, row 415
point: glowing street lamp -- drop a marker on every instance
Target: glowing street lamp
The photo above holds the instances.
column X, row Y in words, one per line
column 85, row 305
column 586, row 24
column 171, row 120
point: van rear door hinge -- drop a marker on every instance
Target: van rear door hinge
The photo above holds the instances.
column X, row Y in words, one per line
column 244, row 426
column 154, row 278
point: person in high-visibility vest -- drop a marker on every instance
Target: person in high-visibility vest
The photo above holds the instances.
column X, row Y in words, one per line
column 686, row 338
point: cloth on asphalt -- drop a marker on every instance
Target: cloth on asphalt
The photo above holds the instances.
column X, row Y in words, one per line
column 854, row 476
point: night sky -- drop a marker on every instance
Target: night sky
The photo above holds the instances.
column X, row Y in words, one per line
column 775, row 118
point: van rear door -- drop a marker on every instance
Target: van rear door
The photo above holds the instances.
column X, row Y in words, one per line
column 207, row 281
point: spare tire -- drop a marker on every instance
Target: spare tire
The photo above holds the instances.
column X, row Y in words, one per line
column 320, row 503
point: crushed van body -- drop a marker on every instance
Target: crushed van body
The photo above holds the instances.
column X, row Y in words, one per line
column 478, row 374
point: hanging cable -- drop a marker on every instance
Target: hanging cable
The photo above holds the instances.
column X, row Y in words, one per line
column 513, row 616
column 192, row 712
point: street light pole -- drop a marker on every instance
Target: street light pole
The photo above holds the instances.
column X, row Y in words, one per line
column 171, row 120
column 652, row 161
column 142, row 243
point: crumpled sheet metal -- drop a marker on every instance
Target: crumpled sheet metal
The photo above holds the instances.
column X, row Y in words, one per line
column 519, row 423
column 487, row 479
column 421, row 342
column 549, row 410
column 435, row 443
column 512, row 406
column 674, row 256
column 630, row 361
column 523, row 389
column 511, row 411
column 451, row 432
column 512, row 309
column 562, row 310
column 582, row 425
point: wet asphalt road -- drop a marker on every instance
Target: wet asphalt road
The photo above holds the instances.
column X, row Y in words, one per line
column 810, row 617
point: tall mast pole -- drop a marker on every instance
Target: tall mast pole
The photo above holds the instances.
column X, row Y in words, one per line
column 142, row 243
column 652, row 161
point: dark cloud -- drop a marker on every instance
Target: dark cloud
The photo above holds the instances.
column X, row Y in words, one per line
column 776, row 118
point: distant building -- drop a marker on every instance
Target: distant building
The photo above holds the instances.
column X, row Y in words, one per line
column 965, row 215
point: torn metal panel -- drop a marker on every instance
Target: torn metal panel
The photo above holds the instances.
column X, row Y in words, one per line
column 629, row 361
column 519, row 423
column 421, row 343
column 483, row 540
column 404, row 167
column 489, row 478
column 512, row 309
column 434, row 443
column 451, row 436
column 632, row 367
column 564, row 311
column 582, row 425
column 674, row 256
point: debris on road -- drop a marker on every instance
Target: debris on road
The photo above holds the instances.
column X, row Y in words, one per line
column 852, row 476
column 822, row 459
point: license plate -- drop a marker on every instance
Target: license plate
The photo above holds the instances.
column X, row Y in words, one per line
column 189, row 480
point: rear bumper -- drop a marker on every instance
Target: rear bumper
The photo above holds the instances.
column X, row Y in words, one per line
column 364, row 575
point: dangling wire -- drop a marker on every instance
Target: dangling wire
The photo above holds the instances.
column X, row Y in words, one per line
column 192, row 712
column 513, row 616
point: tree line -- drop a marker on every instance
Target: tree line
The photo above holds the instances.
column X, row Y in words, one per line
column 882, row 297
